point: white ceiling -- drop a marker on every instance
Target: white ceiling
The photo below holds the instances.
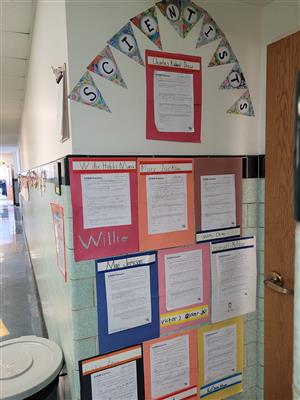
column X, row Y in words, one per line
column 16, row 27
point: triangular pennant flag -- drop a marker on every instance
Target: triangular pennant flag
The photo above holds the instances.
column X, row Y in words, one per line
column 209, row 31
column 191, row 14
column 235, row 79
column 243, row 106
column 86, row 92
column 105, row 65
column 171, row 9
column 147, row 22
column 223, row 55
column 125, row 41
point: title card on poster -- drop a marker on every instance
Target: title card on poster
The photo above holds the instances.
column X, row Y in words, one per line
column 220, row 352
column 118, row 375
column 127, row 300
column 234, row 273
column 171, row 367
column 174, row 96
column 184, row 286
column 104, row 204
column 218, row 197
column 166, row 202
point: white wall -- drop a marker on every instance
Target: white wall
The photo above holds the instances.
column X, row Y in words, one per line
column 39, row 141
column 91, row 24
column 279, row 19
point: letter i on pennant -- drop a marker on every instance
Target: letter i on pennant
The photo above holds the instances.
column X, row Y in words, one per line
column 126, row 43
column 105, row 65
column 209, row 31
column 86, row 92
column 148, row 24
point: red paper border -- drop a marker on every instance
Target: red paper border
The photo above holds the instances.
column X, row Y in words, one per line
column 151, row 131
column 131, row 231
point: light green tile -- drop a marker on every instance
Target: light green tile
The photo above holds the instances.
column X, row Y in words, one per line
column 250, row 378
column 245, row 216
column 250, row 190
column 85, row 323
column 252, row 316
column 260, row 394
column 252, row 215
column 251, row 355
column 250, row 232
column 250, row 394
column 261, row 215
column 260, row 376
column 81, row 269
column 250, row 331
column 82, row 293
column 260, row 239
column 66, row 198
column 69, row 233
column 260, row 353
column 260, row 331
column 84, row 348
column 260, row 286
column 261, row 190
column 260, row 309
column 260, row 262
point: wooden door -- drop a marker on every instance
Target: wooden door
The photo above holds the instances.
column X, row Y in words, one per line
column 283, row 62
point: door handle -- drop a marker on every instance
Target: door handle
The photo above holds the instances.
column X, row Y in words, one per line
column 275, row 282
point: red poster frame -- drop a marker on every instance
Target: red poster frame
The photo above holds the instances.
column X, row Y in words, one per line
column 151, row 130
column 114, row 236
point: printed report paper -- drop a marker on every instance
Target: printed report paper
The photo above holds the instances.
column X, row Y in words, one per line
column 170, row 366
column 106, row 200
column 218, row 202
column 184, row 279
column 119, row 382
column 220, row 353
column 166, row 203
column 128, row 297
column 173, row 101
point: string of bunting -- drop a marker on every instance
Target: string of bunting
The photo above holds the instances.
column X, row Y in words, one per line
column 183, row 15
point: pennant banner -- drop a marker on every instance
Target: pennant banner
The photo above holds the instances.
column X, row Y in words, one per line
column 182, row 14
column 105, row 65
column 223, row 55
column 235, row 79
column 86, row 92
column 147, row 22
column 126, row 43
column 209, row 31
column 243, row 106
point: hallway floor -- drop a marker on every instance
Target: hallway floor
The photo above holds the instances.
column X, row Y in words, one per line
column 20, row 312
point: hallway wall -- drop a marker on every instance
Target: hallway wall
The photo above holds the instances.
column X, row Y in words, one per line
column 39, row 141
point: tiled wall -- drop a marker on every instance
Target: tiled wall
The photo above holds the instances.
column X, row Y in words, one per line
column 70, row 308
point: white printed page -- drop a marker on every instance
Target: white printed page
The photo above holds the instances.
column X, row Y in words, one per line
column 115, row 383
column 218, row 202
column 128, row 297
column 106, row 200
column 173, row 102
column 184, row 279
column 170, row 366
column 166, row 203
column 220, row 353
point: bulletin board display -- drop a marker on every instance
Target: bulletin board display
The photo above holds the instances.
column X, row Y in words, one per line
column 104, row 204
column 184, row 286
column 166, row 202
column 112, row 375
column 219, row 208
column 221, row 359
column 174, row 96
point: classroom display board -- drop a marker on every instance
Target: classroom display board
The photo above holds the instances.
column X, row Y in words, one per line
column 170, row 297
column 184, row 286
column 104, row 204
column 218, row 197
column 166, row 202
column 220, row 352
column 127, row 298
column 118, row 375
column 174, row 95
column 171, row 367
column 234, row 275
